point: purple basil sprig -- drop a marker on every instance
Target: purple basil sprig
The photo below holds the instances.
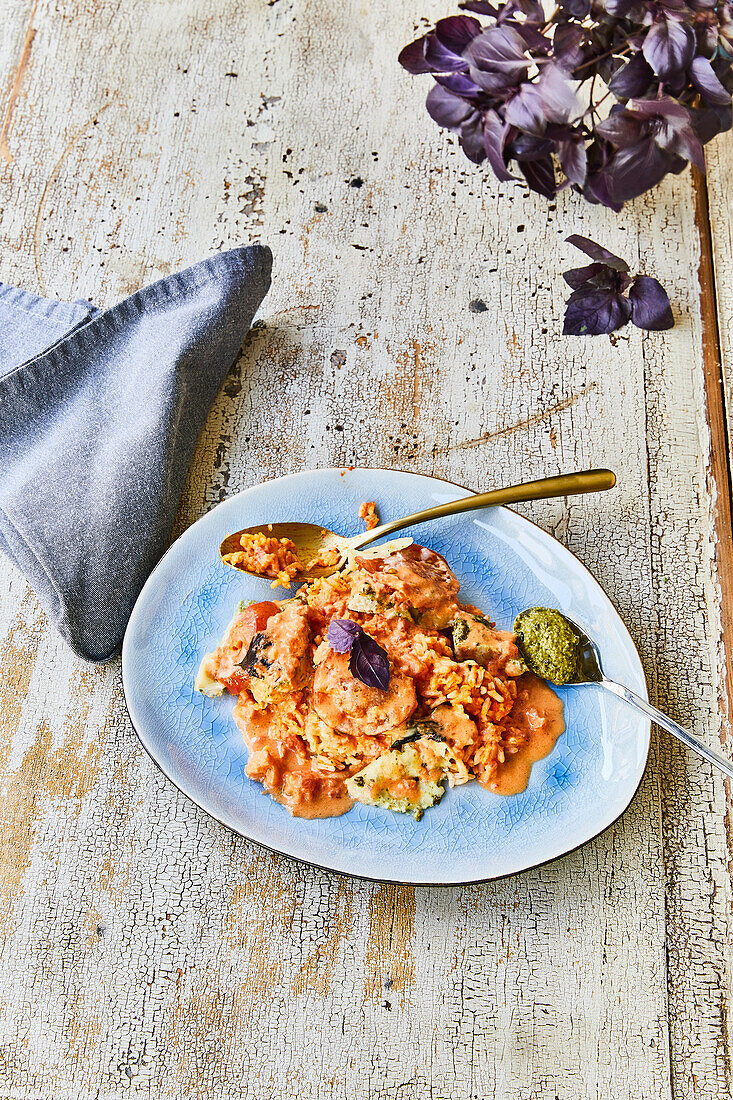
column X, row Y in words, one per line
column 342, row 633
column 599, row 302
column 368, row 662
column 604, row 96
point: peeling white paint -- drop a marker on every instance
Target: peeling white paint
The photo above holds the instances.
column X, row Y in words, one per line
column 147, row 951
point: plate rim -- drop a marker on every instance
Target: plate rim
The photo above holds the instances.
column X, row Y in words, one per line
column 352, row 874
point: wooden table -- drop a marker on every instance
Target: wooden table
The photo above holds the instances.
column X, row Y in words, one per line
column 148, row 952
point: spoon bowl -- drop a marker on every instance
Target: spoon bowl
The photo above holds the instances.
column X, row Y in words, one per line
column 310, row 541
column 589, row 658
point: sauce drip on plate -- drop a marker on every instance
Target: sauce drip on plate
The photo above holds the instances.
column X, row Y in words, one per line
column 538, row 713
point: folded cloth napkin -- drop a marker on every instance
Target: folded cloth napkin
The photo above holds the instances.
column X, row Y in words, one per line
column 99, row 416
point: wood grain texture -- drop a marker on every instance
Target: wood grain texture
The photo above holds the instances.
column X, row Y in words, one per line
column 719, row 159
column 146, row 950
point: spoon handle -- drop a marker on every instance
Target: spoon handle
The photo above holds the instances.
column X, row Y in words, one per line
column 669, row 725
column 563, row 485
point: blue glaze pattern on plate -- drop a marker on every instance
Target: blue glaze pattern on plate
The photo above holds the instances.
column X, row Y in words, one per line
column 504, row 563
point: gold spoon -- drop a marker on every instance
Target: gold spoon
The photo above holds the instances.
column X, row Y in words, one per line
column 311, row 540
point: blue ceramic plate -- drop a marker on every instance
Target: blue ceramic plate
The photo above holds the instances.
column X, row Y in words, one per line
column 504, row 563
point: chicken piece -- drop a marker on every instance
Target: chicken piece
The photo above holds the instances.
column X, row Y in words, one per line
column 348, row 705
column 276, row 662
column 474, row 639
column 415, row 577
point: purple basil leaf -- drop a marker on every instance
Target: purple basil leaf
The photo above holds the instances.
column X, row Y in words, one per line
column 549, row 99
column 622, row 128
column 440, row 58
column 703, row 77
column 597, row 189
column 459, row 84
column 457, row 31
column 540, row 176
column 471, row 138
column 685, row 143
column 497, row 58
column 707, row 122
column 669, row 47
column 599, row 276
column 665, row 108
column 574, row 160
column 538, row 43
column 341, row 634
column 634, row 79
column 577, row 8
column 369, row 663
column 650, row 308
column 558, row 96
column 524, row 110
column 495, row 135
column 632, row 171
column 677, row 165
column 530, row 147
column 412, row 57
column 567, row 43
column 590, row 312
column 446, row 109
column 577, row 276
column 597, row 252
column 672, row 129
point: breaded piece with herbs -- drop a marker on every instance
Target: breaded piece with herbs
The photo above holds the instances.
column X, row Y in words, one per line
column 398, row 780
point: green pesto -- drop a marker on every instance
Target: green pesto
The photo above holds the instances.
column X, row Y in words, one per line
column 549, row 644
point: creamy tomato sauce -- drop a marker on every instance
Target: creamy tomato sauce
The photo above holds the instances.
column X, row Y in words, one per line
column 538, row 714
column 420, row 577
column 458, row 705
column 286, row 773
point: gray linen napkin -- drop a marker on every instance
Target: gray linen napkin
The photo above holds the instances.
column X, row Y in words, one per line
column 99, row 416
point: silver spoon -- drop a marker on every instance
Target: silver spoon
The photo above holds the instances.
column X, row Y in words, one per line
column 591, row 672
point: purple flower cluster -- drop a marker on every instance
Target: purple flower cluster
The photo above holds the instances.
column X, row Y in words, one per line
column 533, row 90
column 599, row 302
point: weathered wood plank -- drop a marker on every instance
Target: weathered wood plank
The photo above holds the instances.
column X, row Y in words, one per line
column 149, row 952
column 719, row 157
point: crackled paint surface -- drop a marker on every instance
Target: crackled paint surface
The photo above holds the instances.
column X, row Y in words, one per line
column 149, row 952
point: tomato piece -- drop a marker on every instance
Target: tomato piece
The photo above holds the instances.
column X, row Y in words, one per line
column 235, row 682
column 227, row 659
column 250, row 621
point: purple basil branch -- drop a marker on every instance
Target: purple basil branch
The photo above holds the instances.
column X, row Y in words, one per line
column 616, row 93
column 599, row 303
column 368, row 661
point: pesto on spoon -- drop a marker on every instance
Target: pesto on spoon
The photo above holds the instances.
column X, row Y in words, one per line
column 555, row 648
column 549, row 644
